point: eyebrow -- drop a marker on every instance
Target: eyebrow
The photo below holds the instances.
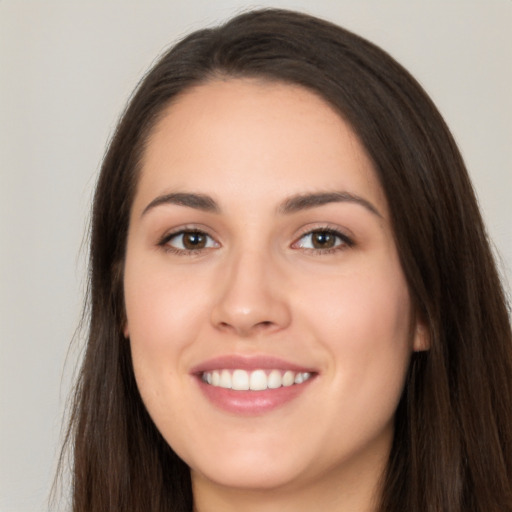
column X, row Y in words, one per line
column 291, row 205
column 306, row 201
column 197, row 201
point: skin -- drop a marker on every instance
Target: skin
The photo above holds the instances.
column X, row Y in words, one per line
column 259, row 287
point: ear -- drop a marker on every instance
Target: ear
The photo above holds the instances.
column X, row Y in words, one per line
column 421, row 340
column 126, row 330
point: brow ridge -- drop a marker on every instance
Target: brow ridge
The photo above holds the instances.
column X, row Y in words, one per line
column 307, row 201
column 291, row 205
column 188, row 199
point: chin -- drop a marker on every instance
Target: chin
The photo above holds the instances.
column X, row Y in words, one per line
column 254, row 477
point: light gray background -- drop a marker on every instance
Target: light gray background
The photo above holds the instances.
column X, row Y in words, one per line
column 66, row 70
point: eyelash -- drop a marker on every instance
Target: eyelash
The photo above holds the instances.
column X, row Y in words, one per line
column 342, row 241
column 164, row 243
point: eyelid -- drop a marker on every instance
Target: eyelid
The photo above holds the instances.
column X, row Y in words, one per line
column 347, row 240
column 176, row 232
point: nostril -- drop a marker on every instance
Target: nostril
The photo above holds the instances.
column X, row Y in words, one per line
column 246, row 329
column 267, row 323
column 264, row 326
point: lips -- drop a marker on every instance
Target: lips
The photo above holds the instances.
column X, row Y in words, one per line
column 251, row 385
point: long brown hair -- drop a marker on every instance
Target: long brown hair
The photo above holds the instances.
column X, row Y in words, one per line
column 452, row 450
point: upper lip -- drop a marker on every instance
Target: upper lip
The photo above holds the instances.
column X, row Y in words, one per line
column 249, row 363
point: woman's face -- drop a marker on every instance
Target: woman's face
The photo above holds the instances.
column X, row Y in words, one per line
column 260, row 255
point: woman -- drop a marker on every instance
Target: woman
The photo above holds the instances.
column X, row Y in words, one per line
column 293, row 300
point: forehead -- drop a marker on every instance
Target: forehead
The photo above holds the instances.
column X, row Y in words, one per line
column 236, row 134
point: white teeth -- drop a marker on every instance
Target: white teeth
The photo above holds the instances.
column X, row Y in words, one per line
column 288, row 378
column 225, row 379
column 301, row 377
column 240, row 380
column 274, row 379
column 257, row 380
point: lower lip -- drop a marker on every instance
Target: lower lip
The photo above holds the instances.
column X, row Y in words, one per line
column 251, row 403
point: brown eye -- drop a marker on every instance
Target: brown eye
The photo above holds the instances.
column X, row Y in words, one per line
column 190, row 241
column 194, row 240
column 323, row 240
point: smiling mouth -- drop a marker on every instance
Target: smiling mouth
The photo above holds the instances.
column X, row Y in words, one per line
column 256, row 380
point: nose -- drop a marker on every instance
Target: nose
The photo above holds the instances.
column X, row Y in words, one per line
column 251, row 297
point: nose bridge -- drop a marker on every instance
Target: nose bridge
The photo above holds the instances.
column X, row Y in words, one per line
column 251, row 297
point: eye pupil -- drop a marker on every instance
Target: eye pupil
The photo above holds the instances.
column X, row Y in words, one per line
column 194, row 240
column 323, row 240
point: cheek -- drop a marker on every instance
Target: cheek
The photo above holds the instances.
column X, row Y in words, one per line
column 161, row 324
column 367, row 308
column 162, row 321
column 161, row 306
column 364, row 322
